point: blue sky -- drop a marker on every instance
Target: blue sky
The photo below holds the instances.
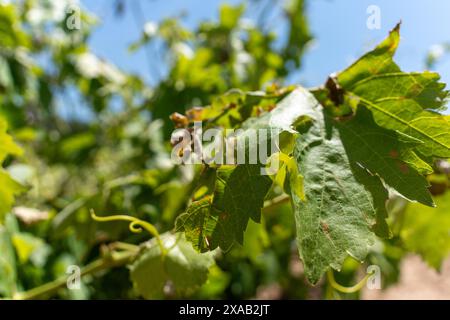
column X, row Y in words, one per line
column 339, row 27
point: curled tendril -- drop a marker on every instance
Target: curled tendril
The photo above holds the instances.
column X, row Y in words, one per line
column 136, row 226
column 343, row 289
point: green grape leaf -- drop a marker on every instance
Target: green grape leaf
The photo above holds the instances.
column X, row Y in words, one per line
column 235, row 106
column 7, row 145
column 286, row 113
column 12, row 35
column 412, row 159
column 240, row 190
column 30, row 248
column 220, row 221
column 380, row 151
column 229, row 16
column 288, row 176
column 8, row 274
column 239, row 195
column 8, row 187
column 426, row 230
column 182, row 267
column 199, row 223
column 337, row 217
column 404, row 102
column 299, row 34
column 379, row 196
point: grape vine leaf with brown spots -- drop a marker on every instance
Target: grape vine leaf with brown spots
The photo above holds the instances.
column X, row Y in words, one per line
column 405, row 102
column 339, row 213
column 380, row 152
column 240, row 190
column 221, row 220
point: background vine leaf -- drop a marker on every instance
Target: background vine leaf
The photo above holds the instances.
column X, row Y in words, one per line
column 182, row 266
column 8, row 273
column 426, row 230
column 8, row 186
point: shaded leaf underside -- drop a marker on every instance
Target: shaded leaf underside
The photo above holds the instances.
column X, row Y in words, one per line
column 380, row 151
column 339, row 212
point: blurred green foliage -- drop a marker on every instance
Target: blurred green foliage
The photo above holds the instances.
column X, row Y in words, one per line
column 118, row 159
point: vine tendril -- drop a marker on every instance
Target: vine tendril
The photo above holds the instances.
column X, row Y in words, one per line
column 343, row 289
column 136, row 226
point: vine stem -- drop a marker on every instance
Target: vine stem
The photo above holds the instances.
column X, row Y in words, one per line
column 343, row 289
column 110, row 259
column 115, row 259
column 269, row 204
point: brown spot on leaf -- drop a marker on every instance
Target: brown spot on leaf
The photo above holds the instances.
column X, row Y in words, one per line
column 416, row 89
column 324, row 227
column 393, row 154
column 223, row 216
column 403, row 167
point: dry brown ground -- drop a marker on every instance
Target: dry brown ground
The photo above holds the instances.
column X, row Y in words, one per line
column 417, row 281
